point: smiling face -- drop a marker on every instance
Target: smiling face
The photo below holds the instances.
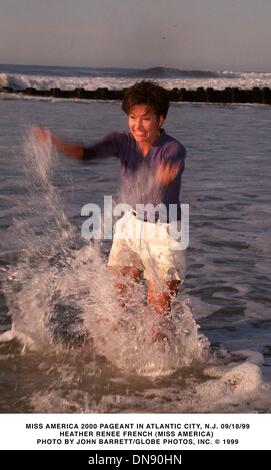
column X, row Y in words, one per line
column 144, row 124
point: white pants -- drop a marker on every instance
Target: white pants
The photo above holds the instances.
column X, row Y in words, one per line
column 149, row 247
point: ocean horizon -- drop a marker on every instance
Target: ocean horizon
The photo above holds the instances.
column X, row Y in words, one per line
column 69, row 77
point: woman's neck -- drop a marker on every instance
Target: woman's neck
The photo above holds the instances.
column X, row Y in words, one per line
column 145, row 146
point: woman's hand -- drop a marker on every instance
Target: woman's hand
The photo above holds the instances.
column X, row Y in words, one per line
column 43, row 134
column 167, row 172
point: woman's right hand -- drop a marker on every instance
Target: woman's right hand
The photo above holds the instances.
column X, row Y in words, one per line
column 42, row 134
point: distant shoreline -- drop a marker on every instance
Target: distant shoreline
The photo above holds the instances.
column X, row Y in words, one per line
column 200, row 95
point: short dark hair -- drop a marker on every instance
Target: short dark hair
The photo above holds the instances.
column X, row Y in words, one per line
column 149, row 93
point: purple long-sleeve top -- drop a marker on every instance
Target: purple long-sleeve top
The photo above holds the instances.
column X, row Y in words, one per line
column 139, row 185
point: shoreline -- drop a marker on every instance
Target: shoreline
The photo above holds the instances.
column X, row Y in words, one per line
column 200, row 95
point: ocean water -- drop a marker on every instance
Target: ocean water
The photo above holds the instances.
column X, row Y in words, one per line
column 67, row 78
column 65, row 344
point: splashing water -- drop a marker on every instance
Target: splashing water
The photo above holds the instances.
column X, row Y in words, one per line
column 61, row 294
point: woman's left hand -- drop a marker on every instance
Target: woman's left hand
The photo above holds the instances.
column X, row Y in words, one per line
column 166, row 172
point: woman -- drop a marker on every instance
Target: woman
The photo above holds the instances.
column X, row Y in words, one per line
column 145, row 150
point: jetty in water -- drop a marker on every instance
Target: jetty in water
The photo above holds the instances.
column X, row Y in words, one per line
column 200, row 95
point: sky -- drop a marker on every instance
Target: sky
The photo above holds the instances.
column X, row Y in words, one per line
column 188, row 34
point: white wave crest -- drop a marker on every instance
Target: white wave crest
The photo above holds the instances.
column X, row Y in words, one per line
column 46, row 82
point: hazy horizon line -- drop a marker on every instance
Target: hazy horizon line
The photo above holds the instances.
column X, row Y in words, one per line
column 192, row 68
